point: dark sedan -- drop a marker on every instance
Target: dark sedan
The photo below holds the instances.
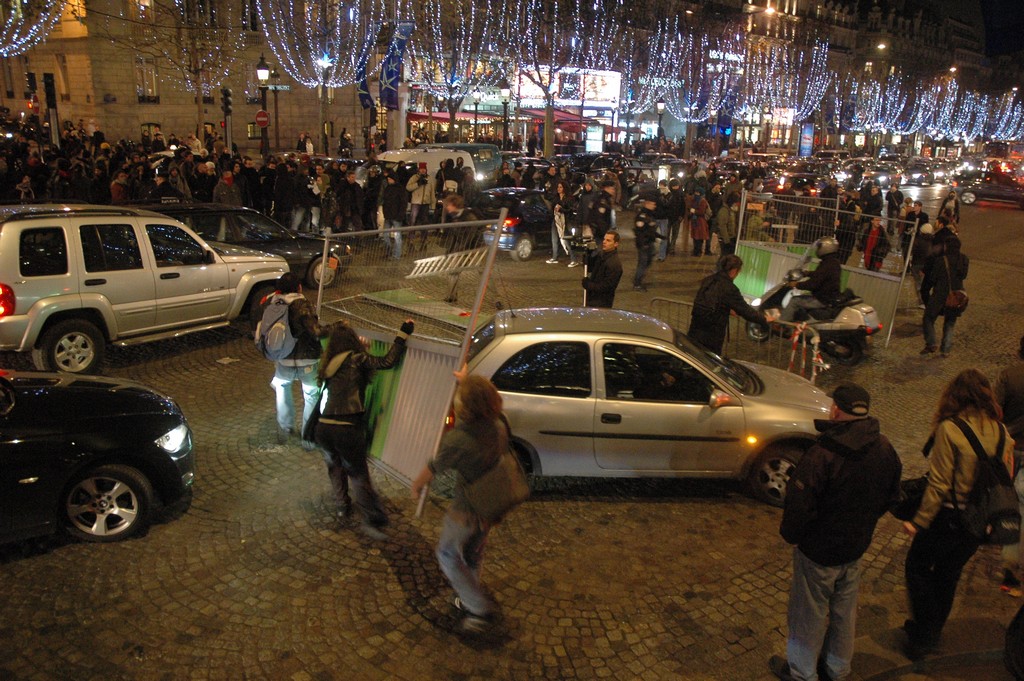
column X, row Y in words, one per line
column 974, row 186
column 91, row 455
column 245, row 227
column 919, row 174
column 527, row 225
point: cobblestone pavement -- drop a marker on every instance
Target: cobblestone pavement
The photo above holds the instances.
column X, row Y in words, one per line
column 649, row 580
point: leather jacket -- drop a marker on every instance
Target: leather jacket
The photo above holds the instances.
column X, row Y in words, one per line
column 347, row 378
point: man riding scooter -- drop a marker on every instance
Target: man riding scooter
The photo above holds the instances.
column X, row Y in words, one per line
column 822, row 284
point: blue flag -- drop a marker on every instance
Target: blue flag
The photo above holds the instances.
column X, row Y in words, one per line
column 391, row 71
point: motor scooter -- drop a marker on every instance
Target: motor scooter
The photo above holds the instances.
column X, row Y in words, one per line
column 844, row 327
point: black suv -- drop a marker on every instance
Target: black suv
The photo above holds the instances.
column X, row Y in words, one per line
column 979, row 185
column 527, row 224
column 246, row 227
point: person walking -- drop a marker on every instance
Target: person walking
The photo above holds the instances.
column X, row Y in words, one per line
column 346, row 368
column 605, row 271
column 645, row 231
column 301, row 364
column 945, row 271
column 470, row 449
column 561, row 213
column 717, row 296
column 842, row 485
column 941, row 544
column 393, row 201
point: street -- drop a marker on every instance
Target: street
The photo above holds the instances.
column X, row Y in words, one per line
column 618, row 579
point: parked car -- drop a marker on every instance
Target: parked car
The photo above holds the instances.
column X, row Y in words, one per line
column 976, row 185
column 74, row 278
column 93, row 456
column 527, row 224
column 609, row 393
column 304, row 253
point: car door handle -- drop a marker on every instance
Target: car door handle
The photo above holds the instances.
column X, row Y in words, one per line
column 95, row 282
column 611, row 418
column 170, row 275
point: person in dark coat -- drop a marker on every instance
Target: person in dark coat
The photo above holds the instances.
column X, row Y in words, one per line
column 717, row 297
column 945, row 271
column 393, row 201
column 605, row 273
column 284, row 193
column 823, row 283
column 842, row 485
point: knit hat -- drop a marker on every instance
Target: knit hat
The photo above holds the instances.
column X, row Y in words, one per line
column 852, row 399
column 422, row 165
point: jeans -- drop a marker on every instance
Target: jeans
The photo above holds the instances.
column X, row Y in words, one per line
column 554, row 242
column 393, row 239
column 300, row 219
column 948, row 324
column 460, row 550
column 801, row 302
column 934, row 562
column 662, row 226
column 284, row 376
column 345, row 455
column 822, row 617
column 643, row 261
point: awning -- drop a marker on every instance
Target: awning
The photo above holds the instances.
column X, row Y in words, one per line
column 443, row 117
column 561, row 115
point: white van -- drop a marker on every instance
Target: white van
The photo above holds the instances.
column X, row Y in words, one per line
column 398, row 160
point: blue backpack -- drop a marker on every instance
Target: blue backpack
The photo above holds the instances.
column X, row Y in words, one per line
column 273, row 333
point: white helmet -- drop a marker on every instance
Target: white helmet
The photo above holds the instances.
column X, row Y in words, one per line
column 826, row 246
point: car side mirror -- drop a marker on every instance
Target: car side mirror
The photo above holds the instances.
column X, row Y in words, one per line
column 719, row 399
column 6, row 397
column 209, row 258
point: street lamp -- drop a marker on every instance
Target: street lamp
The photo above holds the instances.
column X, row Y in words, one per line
column 506, row 95
column 476, row 114
column 325, row 63
column 659, row 106
column 276, row 77
column 263, row 75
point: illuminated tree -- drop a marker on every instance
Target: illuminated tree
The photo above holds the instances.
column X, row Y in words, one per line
column 26, row 23
column 324, row 43
column 195, row 42
column 648, row 62
column 454, row 49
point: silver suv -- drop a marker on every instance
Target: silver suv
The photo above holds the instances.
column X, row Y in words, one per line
column 609, row 393
column 75, row 278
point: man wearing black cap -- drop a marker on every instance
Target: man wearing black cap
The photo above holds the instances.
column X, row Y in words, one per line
column 599, row 219
column 645, row 229
column 843, row 484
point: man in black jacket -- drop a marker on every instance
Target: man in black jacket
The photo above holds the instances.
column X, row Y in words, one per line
column 604, row 275
column 843, row 484
column 823, row 283
column 716, row 297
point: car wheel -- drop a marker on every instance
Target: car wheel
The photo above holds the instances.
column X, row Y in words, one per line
column 770, row 473
column 315, row 270
column 255, row 308
column 756, row 332
column 523, row 249
column 967, row 198
column 108, row 504
column 75, row 346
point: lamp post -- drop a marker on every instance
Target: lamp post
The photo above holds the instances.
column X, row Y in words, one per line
column 629, row 116
column 476, row 114
column 506, row 95
column 276, row 77
column 325, row 63
column 263, row 75
column 659, row 106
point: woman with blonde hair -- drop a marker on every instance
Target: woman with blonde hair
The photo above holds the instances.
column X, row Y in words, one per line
column 470, row 449
column 942, row 545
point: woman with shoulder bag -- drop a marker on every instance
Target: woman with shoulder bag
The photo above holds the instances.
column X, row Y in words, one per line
column 942, row 544
column 944, row 272
column 472, row 448
column 345, row 370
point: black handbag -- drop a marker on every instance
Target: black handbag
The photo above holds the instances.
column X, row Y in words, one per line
column 309, row 430
column 911, row 494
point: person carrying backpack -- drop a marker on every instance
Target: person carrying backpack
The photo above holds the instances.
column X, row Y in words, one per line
column 290, row 337
column 943, row 541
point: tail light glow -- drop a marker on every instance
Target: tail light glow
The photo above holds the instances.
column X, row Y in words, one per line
column 6, row 301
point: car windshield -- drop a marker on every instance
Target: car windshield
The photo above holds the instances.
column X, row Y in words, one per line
column 736, row 375
column 481, row 339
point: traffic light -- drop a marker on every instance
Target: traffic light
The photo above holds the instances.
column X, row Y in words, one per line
column 50, row 91
column 225, row 95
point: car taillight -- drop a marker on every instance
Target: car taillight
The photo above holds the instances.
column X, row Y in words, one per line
column 955, row 183
column 6, row 300
column 509, row 224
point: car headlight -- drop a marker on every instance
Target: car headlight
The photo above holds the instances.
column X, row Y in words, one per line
column 173, row 441
column 883, row 178
column 842, row 176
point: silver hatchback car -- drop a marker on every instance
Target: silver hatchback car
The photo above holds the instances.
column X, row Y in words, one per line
column 609, row 393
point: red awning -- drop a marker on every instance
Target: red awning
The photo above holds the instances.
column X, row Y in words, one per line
column 443, row 117
column 561, row 115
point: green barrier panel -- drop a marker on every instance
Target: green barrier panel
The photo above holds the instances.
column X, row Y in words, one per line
column 380, row 399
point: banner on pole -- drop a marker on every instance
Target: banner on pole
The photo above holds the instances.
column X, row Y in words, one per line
column 391, row 70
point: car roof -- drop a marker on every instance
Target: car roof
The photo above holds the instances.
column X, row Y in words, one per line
column 582, row 320
column 41, row 210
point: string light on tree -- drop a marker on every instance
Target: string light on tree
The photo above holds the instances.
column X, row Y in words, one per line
column 27, row 24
